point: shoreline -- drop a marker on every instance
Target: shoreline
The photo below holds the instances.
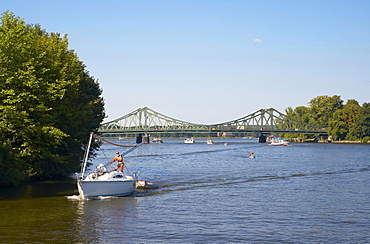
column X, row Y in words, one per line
column 348, row 142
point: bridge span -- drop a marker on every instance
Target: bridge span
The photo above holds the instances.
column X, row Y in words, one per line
column 264, row 121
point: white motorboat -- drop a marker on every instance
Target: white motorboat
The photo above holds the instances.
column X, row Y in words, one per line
column 102, row 182
column 189, row 140
column 279, row 142
column 157, row 140
column 209, row 141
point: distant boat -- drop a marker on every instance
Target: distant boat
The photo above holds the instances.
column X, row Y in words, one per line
column 157, row 140
column 279, row 142
column 311, row 140
column 209, row 141
column 189, row 140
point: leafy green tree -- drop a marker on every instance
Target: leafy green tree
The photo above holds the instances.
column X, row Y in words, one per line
column 322, row 109
column 343, row 119
column 301, row 114
column 361, row 125
column 49, row 102
column 349, row 121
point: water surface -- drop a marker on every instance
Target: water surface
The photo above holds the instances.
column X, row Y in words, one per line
column 305, row 193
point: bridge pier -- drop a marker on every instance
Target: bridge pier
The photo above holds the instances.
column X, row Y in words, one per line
column 140, row 138
column 146, row 139
column 262, row 138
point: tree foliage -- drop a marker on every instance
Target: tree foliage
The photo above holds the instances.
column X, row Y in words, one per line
column 49, row 103
column 322, row 109
column 342, row 120
column 361, row 124
column 349, row 121
column 300, row 114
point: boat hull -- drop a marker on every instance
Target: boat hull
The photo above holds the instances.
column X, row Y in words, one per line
column 189, row 141
column 280, row 142
column 89, row 189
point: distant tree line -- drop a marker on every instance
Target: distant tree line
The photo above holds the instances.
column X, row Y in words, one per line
column 48, row 103
column 349, row 121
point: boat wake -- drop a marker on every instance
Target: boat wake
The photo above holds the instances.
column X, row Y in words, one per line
column 216, row 182
column 79, row 198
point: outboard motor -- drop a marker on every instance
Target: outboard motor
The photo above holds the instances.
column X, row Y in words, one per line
column 135, row 175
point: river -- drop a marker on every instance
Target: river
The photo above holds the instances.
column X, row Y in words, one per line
column 304, row 193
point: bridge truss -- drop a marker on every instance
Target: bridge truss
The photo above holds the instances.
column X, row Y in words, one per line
column 146, row 121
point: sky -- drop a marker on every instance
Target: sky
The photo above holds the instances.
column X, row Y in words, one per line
column 213, row 61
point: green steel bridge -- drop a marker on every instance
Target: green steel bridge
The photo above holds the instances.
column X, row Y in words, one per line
column 264, row 121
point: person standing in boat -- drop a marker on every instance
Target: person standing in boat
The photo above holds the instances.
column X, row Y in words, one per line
column 119, row 160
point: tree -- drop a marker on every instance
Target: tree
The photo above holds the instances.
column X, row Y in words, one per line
column 361, row 125
column 322, row 109
column 301, row 114
column 349, row 121
column 342, row 120
column 49, row 102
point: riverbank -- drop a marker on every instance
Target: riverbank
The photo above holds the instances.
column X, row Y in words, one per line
column 351, row 142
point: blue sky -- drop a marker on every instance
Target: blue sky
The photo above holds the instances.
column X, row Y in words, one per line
column 213, row 61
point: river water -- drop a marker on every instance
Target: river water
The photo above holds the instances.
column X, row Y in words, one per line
column 304, row 193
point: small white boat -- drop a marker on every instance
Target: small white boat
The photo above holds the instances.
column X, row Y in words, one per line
column 209, row 141
column 143, row 184
column 157, row 140
column 189, row 140
column 101, row 182
column 279, row 142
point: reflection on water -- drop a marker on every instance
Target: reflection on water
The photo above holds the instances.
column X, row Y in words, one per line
column 57, row 187
column 96, row 219
column 208, row 193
